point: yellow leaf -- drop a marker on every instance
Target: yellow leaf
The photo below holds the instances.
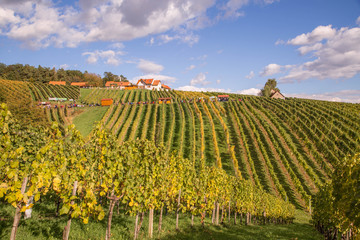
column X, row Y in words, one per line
column 23, row 209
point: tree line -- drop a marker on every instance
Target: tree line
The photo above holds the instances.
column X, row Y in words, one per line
column 20, row 72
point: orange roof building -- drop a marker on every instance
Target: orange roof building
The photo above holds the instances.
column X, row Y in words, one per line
column 121, row 85
column 80, row 84
column 57, row 83
column 151, row 84
column 156, row 83
column 107, row 101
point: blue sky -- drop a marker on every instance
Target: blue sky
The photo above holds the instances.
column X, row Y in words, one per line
column 312, row 47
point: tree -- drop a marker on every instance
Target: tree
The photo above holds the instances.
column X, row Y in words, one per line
column 123, row 79
column 269, row 86
column 108, row 76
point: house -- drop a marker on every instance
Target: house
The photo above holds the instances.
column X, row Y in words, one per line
column 145, row 83
column 223, row 98
column 80, row 84
column 151, row 84
column 277, row 95
column 165, row 100
column 107, row 101
column 156, row 85
column 57, row 83
column 112, row 84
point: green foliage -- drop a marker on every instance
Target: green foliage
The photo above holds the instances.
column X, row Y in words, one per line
column 270, row 86
column 19, row 101
column 337, row 205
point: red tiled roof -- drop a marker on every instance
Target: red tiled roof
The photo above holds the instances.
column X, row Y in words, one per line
column 156, row 82
column 109, row 83
column 145, row 81
column 57, row 82
column 106, row 99
column 165, row 86
column 148, row 81
column 223, row 96
column 80, row 84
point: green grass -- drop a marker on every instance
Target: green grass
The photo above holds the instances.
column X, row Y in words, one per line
column 44, row 225
column 85, row 121
column 84, row 92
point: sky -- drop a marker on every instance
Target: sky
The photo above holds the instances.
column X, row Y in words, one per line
column 311, row 47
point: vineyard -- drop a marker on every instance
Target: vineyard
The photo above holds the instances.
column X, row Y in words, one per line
column 250, row 156
column 288, row 148
column 42, row 92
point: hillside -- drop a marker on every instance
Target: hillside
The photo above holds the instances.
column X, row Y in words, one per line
column 286, row 147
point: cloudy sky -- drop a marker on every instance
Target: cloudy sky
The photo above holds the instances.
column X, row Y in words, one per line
column 311, row 47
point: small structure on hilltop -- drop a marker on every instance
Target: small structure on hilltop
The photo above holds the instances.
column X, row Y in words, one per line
column 57, row 83
column 121, row 85
column 80, row 84
column 107, row 101
column 145, row 83
column 277, row 95
column 151, row 84
column 165, row 100
column 223, row 98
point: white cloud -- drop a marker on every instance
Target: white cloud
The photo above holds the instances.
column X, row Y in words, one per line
column 250, row 75
column 358, row 21
column 250, row 91
column 164, row 79
column 351, row 96
column 200, row 79
column 109, row 57
column 232, row 8
column 201, row 89
column 318, row 34
column 181, row 35
column 218, row 81
column 47, row 23
column 118, row 45
column 336, row 54
column 148, row 67
column 41, row 23
column 191, row 67
column 64, row 66
column 271, row 69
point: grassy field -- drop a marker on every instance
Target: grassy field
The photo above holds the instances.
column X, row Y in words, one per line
column 44, row 225
column 85, row 120
column 84, row 92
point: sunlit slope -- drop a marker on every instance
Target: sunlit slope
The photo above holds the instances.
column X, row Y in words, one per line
column 287, row 147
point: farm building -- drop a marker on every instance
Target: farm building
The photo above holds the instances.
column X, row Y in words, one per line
column 277, row 95
column 107, row 101
column 145, row 83
column 57, row 83
column 165, row 100
column 80, row 84
column 121, row 85
column 151, row 84
column 223, row 98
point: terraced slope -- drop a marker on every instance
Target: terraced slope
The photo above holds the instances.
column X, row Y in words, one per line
column 286, row 147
